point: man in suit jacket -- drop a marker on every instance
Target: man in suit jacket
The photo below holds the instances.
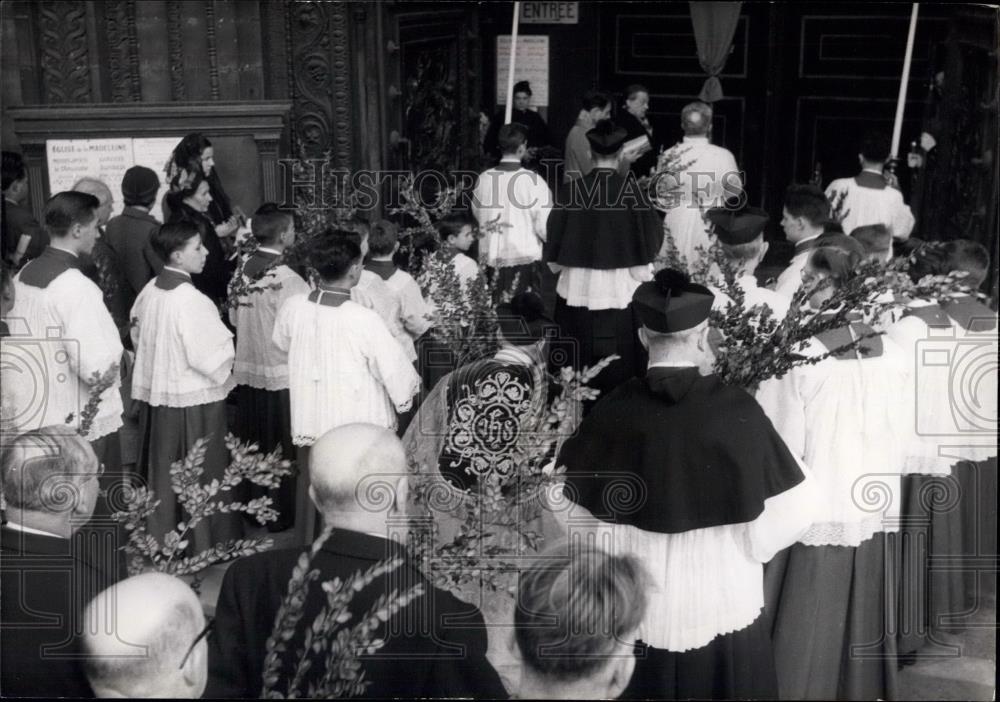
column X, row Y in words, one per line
column 50, row 484
column 435, row 646
column 128, row 234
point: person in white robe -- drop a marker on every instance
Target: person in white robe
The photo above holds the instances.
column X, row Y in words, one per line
column 261, row 370
column 183, row 373
column 383, row 243
column 950, row 496
column 688, row 474
column 828, row 594
column 709, row 178
column 805, row 211
column 343, row 365
column 62, row 340
column 372, row 292
column 61, row 334
column 517, row 201
column 868, row 198
column 741, row 238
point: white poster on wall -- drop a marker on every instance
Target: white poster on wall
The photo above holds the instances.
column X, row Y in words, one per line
column 69, row 160
column 531, row 64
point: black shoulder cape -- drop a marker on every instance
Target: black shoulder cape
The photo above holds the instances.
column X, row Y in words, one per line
column 677, row 451
column 603, row 221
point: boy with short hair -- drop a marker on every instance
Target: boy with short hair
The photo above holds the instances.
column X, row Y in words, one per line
column 342, row 365
column 383, row 242
column 261, row 368
column 877, row 240
column 183, row 373
column 803, row 217
column 457, row 233
column 372, row 292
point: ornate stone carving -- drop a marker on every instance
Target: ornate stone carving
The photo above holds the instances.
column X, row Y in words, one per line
column 123, row 57
column 342, row 132
column 311, row 73
column 213, row 52
column 176, row 50
column 65, row 60
column 431, row 115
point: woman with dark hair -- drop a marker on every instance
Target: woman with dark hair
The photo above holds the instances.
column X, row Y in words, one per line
column 195, row 155
column 191, row 202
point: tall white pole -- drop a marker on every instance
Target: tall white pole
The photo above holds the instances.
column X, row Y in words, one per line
column 511, row 62
column 897, row 127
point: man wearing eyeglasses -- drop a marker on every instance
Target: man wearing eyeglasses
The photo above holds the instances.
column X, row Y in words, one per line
column 47, row 572
column 147, row 639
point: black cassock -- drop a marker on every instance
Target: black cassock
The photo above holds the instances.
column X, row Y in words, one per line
column 670, row 453
column 604, row 222
column 538, row 131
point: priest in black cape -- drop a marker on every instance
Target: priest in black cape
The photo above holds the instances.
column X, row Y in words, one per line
column 521, row 113
column 689, row 475
column 602, row 237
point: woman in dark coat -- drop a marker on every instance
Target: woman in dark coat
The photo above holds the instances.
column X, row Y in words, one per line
column 195, row 154
column 192, row 202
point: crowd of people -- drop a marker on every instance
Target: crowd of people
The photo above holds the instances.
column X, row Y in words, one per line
column 730, row 546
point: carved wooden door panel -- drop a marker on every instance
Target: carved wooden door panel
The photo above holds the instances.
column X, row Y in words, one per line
column 433, row 77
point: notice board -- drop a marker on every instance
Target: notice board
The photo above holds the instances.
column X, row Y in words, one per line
column 63, row 143
column 69, row 160
column 531, row 64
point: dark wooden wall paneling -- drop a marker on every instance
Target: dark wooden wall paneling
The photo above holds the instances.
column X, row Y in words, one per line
column 74, row 52
column 846, row 64
column 654, row 45
column 802, row 83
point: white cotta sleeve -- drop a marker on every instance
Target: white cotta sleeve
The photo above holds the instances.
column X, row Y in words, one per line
column 786, row 517
column 902, row 221
column 390, row 364
column 543, row 206
column 208, row 344
column 135, row 316
column 93, row 344
column 282, row 334
column 783, row 404
column 415, row 312
column 729, row 181
column 291, row 284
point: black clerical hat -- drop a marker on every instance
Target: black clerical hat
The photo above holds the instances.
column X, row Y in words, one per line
column 606, row 138
column 672, row 303
column 522, row 321
column 735, row 227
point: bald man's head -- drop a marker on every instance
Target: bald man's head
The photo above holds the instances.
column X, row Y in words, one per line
column 97, row 188
column 342, row 458
column 137, row 634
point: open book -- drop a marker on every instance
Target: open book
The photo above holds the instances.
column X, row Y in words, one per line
column 636, row 147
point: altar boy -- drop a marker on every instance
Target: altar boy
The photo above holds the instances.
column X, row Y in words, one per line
column 261, row 368
column 344, row 366
column 828, row 594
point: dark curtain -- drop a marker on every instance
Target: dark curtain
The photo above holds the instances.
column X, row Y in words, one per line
column 714, row 24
